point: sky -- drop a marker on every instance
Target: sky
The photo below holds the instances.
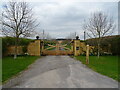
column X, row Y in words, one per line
column 60, row 18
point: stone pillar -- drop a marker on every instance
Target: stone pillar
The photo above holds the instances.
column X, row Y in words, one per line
column 34, row 48
column 37, row 48
column 76, row 48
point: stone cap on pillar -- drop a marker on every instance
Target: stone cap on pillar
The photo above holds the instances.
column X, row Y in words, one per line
column 37, row 37
column 77, row 37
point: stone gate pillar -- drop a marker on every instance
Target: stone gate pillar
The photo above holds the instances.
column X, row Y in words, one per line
column 76, row 46
column 34, row 48
column 37, row 47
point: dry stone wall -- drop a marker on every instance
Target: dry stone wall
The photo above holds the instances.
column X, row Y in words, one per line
column 34, row 48
column 11, row 50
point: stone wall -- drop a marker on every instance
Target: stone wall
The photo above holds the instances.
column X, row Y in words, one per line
column 79, row 48
column 34, row 48
column 83, row 48
column 11, row 50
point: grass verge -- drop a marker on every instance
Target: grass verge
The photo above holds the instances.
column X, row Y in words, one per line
column 106, row 65
column 11, row 67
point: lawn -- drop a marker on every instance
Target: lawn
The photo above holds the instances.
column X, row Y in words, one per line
column 106, row 65
column 11, row 67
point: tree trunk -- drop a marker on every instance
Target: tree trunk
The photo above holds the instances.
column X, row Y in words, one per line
column 16, row 45
column 98, row 50
column 99, row 47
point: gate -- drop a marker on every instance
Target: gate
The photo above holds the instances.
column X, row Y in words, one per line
column 57, row 47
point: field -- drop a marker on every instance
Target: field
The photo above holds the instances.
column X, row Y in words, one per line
column 11, row 67
column 106, row 65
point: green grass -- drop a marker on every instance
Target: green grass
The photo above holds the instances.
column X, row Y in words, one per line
column 106, row 65
column 11, row 67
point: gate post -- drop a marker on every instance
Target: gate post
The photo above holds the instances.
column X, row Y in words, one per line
column 76, row 46
column 87, row 54
column 57, row 49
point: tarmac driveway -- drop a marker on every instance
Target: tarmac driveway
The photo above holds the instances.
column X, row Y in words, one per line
column 60, row 72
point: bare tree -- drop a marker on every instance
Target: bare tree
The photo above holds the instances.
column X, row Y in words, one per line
column 18, row 21
column 99, row 25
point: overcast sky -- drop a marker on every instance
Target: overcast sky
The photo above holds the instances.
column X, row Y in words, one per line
column 60, row 18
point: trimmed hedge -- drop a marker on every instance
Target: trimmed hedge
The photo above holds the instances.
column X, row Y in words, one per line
column 114, row 41
column 9, row 41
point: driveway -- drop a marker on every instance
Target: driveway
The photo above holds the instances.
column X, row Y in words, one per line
column 60, row 72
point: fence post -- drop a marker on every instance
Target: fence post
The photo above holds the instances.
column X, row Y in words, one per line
column 87, row 54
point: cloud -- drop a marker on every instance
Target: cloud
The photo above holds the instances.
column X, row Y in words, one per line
column 59, row 18
column 66, row 1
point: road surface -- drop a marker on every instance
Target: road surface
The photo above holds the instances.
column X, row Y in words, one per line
column 60, row 72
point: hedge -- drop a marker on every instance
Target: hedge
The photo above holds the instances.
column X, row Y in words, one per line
column 9, row 41
column 114, row 41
